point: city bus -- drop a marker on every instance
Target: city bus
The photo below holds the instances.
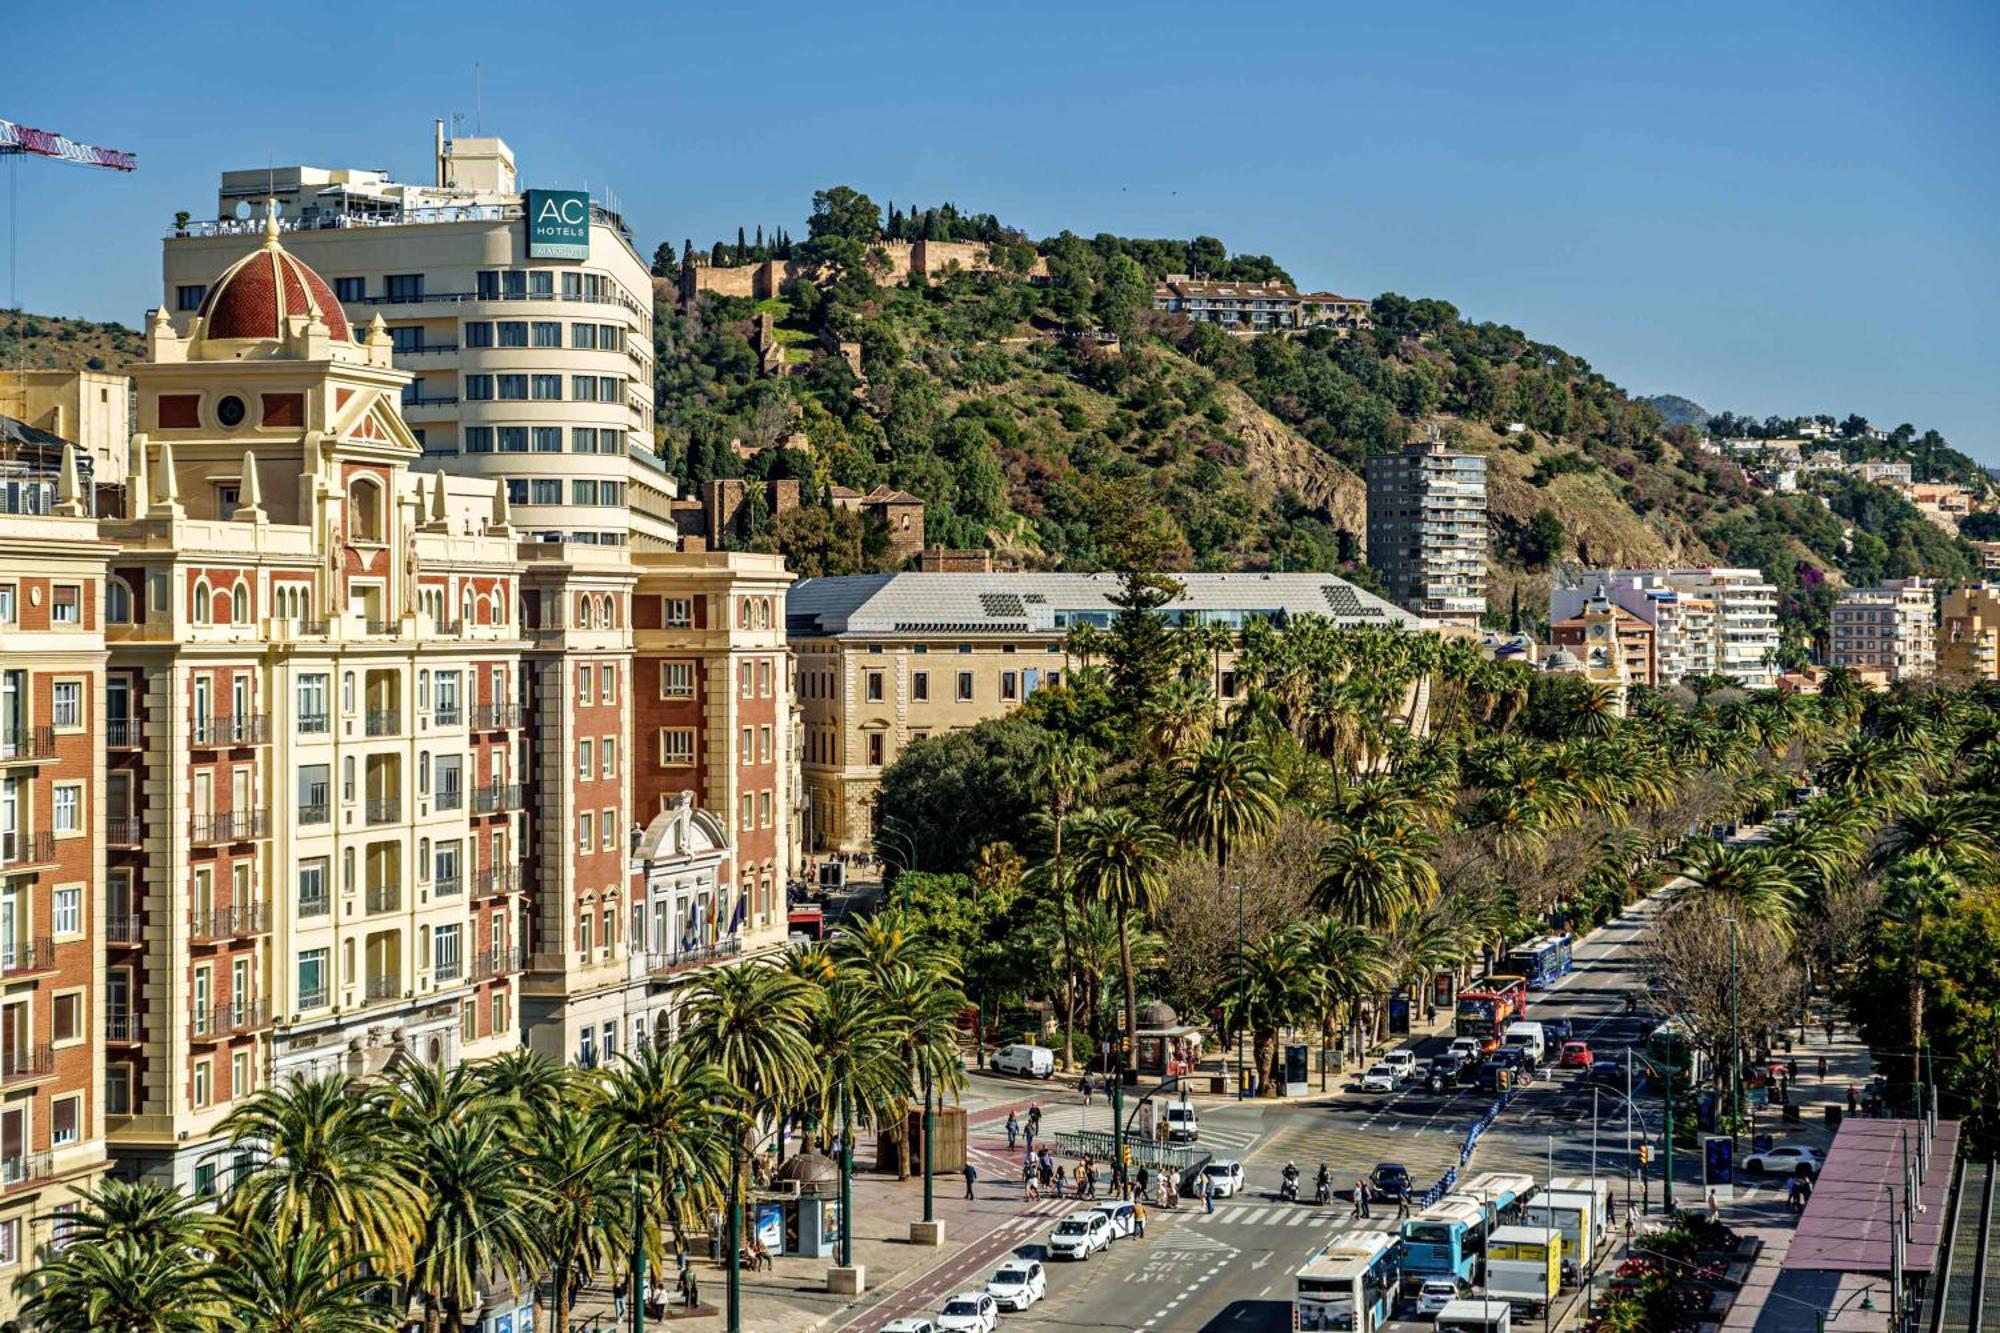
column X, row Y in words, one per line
column 1502, row 1193
column 1541, row 961
column 1350, row 1284
column 1486, row 1007
column 1444, row 1240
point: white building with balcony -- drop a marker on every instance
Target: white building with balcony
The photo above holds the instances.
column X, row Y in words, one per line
column 530, row 362
column 1427, row 531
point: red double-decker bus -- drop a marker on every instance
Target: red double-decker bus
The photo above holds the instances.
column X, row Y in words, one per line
column 1488, row 1006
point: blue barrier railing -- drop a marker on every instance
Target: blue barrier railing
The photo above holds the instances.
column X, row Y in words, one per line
column 1479, row 1127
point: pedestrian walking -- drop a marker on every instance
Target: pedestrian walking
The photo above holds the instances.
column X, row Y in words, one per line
column 1828, row 1025
column 1853, row 1099
column 1145, row 1181
column 1714, row 1209
column 1791, row 1069
column 1366, row 1197
column 1013, row 1130
column 1822, row 1069
column 618, row 1301
column 1029, row 1176
column 1139, row 1219
column 1207, row 1188
column 971, row 1174
column 1035, row 1117
column 1029, row 1131
column 690, row 1289
column 1792, row 1194
column 1061, row 1181
column 1402, row 1205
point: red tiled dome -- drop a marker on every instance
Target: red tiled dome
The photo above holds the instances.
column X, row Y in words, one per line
column 259, row 292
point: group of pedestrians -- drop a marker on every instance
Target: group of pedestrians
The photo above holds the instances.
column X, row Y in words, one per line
column 1042, row 1173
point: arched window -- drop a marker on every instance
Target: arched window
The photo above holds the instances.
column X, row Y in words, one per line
column 364, row 511
column 199, row 607
column 239, row 604
column 465, row 606
column 117, row 601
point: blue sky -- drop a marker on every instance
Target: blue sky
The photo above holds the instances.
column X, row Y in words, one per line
column 1768, row 208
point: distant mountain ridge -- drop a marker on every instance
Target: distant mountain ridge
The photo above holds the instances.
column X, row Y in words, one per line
column 1678, row 411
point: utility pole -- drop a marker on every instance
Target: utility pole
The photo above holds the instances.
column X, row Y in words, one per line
column 930, row 1127
column 735, row 1239
column 1735, row 1046
column 638, row 1255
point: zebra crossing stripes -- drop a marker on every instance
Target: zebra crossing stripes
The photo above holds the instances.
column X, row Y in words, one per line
column 1284, row 1215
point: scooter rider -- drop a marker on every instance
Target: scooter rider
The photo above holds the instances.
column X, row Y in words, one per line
column 1322, row 1187
column 1290, row 1189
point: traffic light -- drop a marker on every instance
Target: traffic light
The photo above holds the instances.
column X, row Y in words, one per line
column 1127, row 1155
column 1645, row 1154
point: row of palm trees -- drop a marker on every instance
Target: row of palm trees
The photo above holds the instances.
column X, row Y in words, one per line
column 1434, row 846
column 351, row 1203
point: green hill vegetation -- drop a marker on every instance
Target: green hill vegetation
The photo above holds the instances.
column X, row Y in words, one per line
column 51, row 342
column 1001, row 402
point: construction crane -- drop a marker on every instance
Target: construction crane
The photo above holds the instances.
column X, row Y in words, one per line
column 24, row 139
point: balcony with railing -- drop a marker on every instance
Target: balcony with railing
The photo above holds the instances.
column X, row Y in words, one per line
column 504, row 879
column 446, row 715
column 222, row 1020
column 28, row 1168
column 230, row 826
column 313, row 999
column 384, row 809
column 384, row 722
column 231, row 729
column 385, row 986
column 490, row 963
column 496, row 798
column 28, row 745
column 123, row 1028
column 124, row 928
column 449, row 798
column 385, row 898
column 496, row 717
column 27, row 954
column 664, row 964
column 19, row 848
column 23, row 1063
column 315, row 812
column 448, row 886
column 121, row 733
column 311, row 905
column 234, row 922
column 123, row 831
column 449, row 969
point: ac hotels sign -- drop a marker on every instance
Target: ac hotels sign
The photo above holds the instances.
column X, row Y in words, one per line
column 558, row 224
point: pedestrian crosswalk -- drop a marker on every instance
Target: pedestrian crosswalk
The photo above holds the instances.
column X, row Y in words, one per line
column 1040, row 1214
column 1069, row 1118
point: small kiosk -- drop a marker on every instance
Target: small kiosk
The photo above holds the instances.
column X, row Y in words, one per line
column 800, row 1213
column 1165, row 1046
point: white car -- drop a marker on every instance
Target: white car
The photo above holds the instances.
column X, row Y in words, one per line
column 1183, row 1125
column 1382, row 1078
column 1017, row 1284
column 1784, row 1160
column 1436, row 1293
column 1224, row 1177
column 1404, row 1062
column 915, row 1323
column 1124, row 1218
column 1079, row 1236
column 1468, row 1048
column 969, row 1312
column 1033, row 1061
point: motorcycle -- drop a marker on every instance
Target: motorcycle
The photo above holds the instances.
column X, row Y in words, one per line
column 1289, row 1190
column 1323, row 1195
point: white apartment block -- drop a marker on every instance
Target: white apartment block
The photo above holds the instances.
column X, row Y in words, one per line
column 1890, row 628
column 1705, row 621
column 529, row 345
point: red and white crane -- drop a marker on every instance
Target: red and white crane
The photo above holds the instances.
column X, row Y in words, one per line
column 43, row 143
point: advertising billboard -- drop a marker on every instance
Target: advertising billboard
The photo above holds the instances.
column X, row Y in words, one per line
column 558, row 224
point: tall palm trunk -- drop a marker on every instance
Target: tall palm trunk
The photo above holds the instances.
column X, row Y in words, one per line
column 1068, row 960
column 1917, row 1005
column 1131, row 984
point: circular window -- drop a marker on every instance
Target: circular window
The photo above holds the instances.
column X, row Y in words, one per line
column 230, row 411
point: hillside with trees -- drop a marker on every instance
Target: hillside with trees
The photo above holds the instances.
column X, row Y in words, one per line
column 1014, row 407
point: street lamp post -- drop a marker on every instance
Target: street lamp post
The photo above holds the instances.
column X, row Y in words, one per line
column 1735, row 1045
column 638, row 1255
column 930, row 1127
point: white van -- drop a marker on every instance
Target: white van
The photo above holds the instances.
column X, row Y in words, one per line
column 1020, row 1058
column 1475, row 1317
column 1521, row 1032
column 1183, row 1125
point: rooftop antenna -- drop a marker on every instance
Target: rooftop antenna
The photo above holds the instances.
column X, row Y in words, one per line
column 478, row 98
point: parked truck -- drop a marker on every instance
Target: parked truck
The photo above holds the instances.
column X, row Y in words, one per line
column 1524, row 1267
column 1579, row 1208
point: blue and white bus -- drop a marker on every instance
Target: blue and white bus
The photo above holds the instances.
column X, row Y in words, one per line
column 1502, row 1193
column 1444, row 1240
column 1541, row 961
column 1350, row 1284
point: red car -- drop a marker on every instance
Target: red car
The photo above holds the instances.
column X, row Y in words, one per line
column 1576, row 1055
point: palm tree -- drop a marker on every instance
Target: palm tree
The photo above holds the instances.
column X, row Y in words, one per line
column 1223, row 792
column 1873, row 768
column 585, row 1218
column 476, row 1221
column 1346, row 962
column 857, row 1074
column 1921, row 888
column 1122, row 861
column 749, row 1021
column 422, row 1097
column 1066, row 771
column 1748, row 882
column 1274, row 987
column 677, row 1117
column 1371, row 873
column 926, row 1003
column 528, row 1081
column 120, row 1210
column 324, row 1155
column 300, row 1284
column 1179, row 717
column 127, row 1286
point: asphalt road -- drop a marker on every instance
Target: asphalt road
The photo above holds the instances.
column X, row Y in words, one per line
column 1231, row 1271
